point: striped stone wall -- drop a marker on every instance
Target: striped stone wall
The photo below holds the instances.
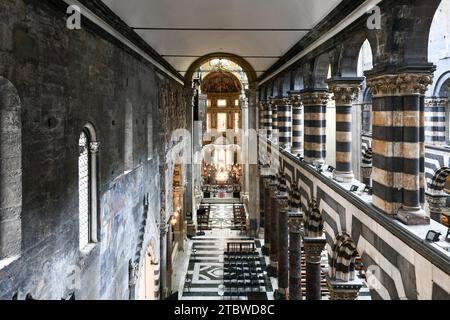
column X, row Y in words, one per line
column 403, row 266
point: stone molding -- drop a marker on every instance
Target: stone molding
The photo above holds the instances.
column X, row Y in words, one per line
column 295, row 224
column 94, row 147
column 344, row 94
column 400, row 84
column 313, row 249
column 315, row 98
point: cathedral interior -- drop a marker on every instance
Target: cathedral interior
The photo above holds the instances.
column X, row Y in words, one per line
column 224, row 150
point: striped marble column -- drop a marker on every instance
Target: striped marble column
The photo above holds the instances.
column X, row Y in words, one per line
column 274, row 106
column 283, row 246
column 261, row 111
column 435, row 121
column 345, row 92
column 398, row 144
column 267, row 119
column 315, row 105
column 297, row 131
column 284, row 110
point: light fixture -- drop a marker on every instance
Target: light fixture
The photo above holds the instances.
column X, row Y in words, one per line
column 433, row 236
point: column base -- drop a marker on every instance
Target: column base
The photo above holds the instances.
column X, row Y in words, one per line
column 296, row 152
column 344, row 177
column 280, row 294
column 413, row 216
column 314, row 162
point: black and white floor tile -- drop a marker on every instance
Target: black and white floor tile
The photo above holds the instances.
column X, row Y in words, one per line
column 204, row 278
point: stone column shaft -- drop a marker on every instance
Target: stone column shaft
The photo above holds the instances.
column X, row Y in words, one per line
column 273, row 105
column 272, row 269
column 267, row 216
column 398, row 124
column 295, row 272
column 297, row 130
column 283, row 252
column 315, row 106
column 284, row 123
column 345, row 92
column 435, row 121
column 313, row 251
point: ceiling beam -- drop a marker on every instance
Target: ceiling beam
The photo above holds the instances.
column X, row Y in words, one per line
column 300, row 49
column 199, row 56
column 221, row 29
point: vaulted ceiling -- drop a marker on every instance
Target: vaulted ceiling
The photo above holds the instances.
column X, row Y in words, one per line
column 260, row 31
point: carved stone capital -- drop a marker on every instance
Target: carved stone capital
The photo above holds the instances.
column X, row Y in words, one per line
column 344, row 94
column 313, row 249
column 283, row 202
column 94, row 147
column 400, row 84
column 280, row 101
column 315, row 98
column 296, row 99
column 295, row 222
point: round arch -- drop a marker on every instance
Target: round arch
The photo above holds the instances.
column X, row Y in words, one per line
column 245, row 65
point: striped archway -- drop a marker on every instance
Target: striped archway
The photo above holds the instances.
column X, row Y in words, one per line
column 313, row 223
column 342, row 259
column 437, row 183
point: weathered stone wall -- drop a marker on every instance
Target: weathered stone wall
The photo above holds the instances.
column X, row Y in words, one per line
column 64, row 80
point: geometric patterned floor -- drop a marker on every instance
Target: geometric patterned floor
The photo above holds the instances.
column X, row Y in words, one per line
column 204, row 279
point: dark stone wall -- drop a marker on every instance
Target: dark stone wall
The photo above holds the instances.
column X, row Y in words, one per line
column 65, row 79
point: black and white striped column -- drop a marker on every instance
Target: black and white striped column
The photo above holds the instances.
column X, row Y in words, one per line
column 274, row 106
column 345, row 92
column 398, row 144
column 435, row 121
column 297, row 131
column 267, row 119
column 261, row 112
column 315, row 105
column 284, row 118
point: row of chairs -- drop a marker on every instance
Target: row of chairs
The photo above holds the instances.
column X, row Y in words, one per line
column 243, row 272
column 203, row 221
column 239, row 217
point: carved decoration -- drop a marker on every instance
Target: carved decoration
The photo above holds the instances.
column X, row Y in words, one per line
column 296, row 100
column 403, row 84
column 295, row 225
column 221, row 82
column 315, row 98
column 94, row 147
column 344, row 94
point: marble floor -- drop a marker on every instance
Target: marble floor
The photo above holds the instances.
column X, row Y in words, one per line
column 199, row 271
column 204, row 269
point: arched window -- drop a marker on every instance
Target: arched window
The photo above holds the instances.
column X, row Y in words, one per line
column 87, row 187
